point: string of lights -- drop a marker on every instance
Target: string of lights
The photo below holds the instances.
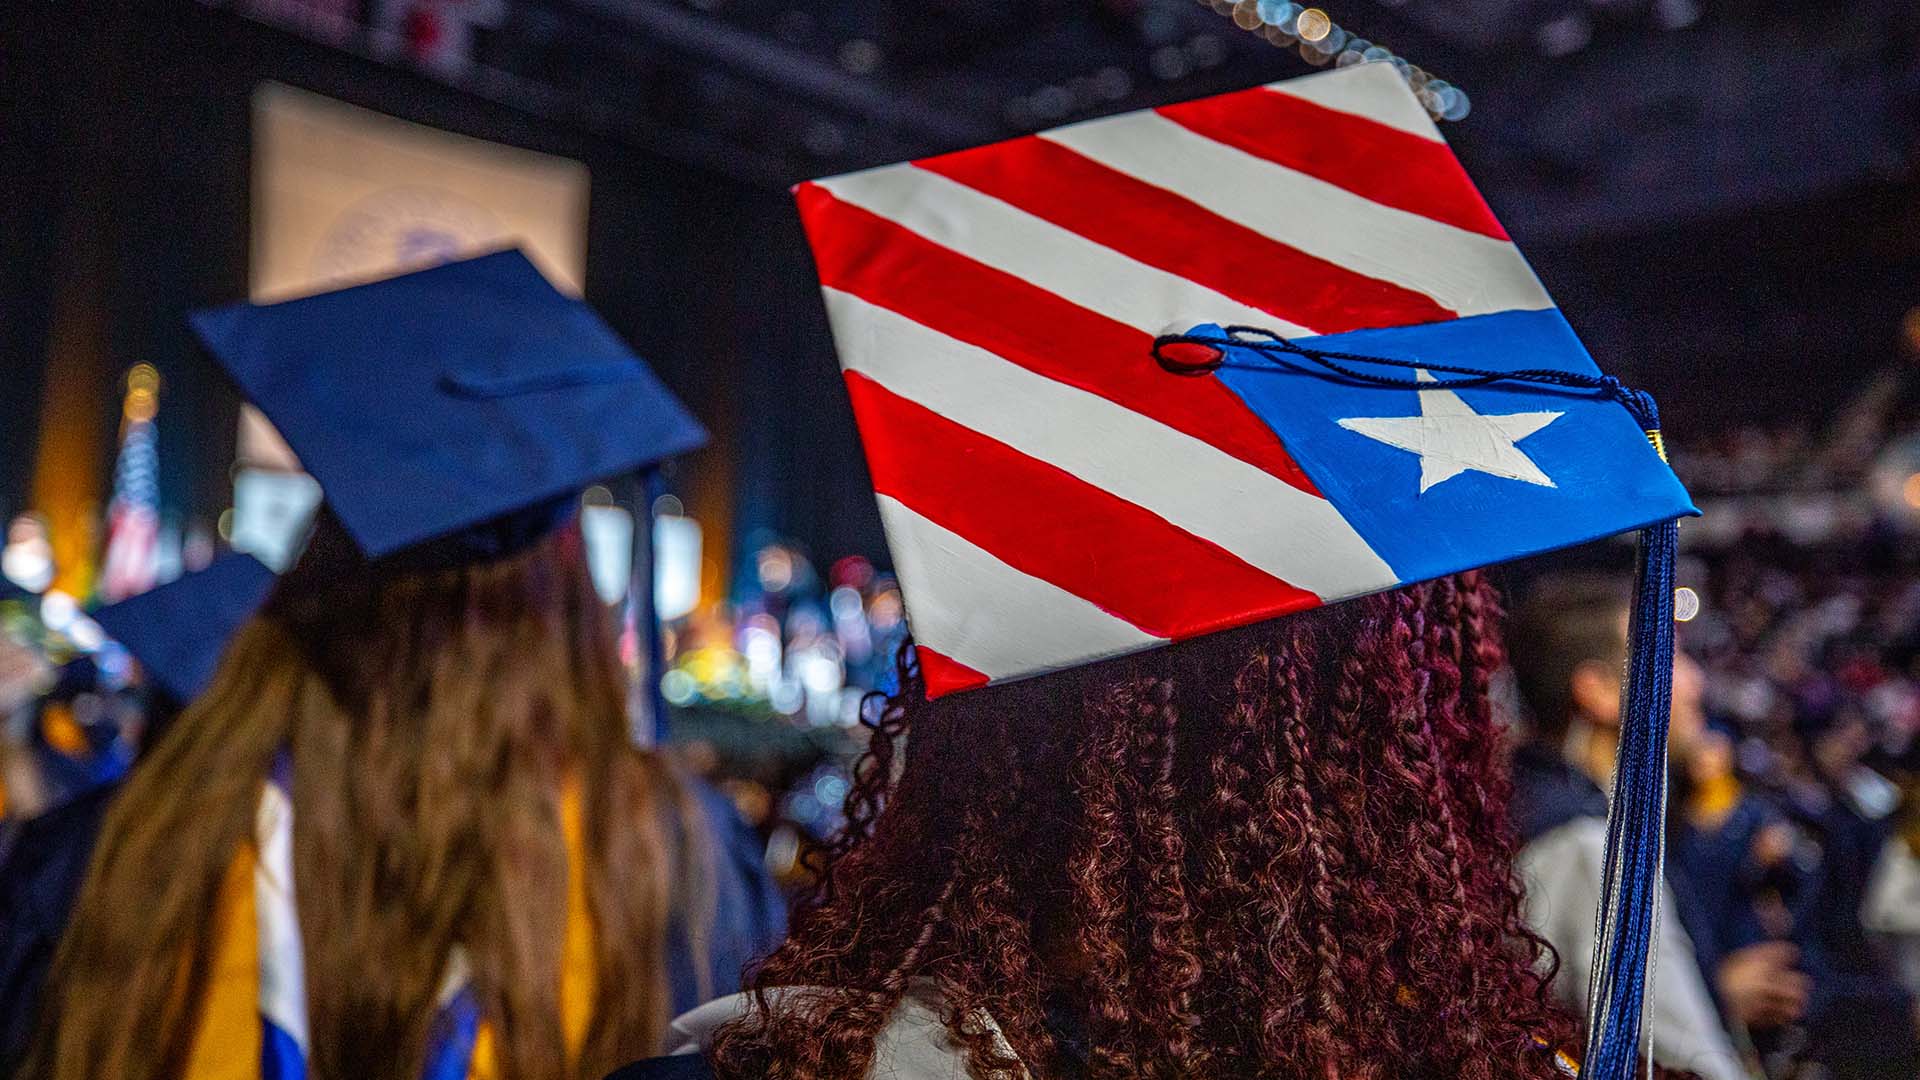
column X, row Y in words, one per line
column 1321, row 41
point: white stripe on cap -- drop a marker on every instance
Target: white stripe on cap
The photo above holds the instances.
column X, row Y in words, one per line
column 1062, row 262
column 970, row 607
column 1464, row 271
column 1295, row 536
column 1374, row 90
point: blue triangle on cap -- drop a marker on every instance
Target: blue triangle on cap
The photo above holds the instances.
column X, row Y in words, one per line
column 179, row 631
column 437, row 401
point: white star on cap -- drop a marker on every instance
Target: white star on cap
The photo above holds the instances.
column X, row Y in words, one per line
column 1451, row 438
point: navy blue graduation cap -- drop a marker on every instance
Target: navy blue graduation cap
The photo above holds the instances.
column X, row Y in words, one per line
column 179, row 631
column 458, row 409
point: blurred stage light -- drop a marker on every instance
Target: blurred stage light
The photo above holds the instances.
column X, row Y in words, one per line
column 775, row 569
column 58, row 610
column 845, row 603
column 1313, row 25
column 820, row 671
column 143, row 393
column 1894, row 482
column 830, row 789
column 677, row 560
column 27, row 559
column 677, row 687
column 1278, row 13
column 607, row 533
column 1686, row 604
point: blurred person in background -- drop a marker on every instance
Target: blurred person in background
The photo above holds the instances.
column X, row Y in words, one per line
column 1891, row 909
column 175, row 635
column 1745, row 874
column 1568, row 646
column 461, row 784
column 1766, row 895
column 1864, row 1022
column 405, row 831
column 84, row 733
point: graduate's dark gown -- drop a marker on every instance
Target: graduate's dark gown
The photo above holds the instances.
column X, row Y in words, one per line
column 38, row 881
column 750, row 915
column 43, row 869
column 684, row 1067
column 1860, row 1019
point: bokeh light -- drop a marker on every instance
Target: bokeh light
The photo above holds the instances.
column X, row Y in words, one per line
column 1686, row 604
column 1313, row 25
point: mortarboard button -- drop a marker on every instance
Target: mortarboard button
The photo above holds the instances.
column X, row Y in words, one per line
column 1188, row 357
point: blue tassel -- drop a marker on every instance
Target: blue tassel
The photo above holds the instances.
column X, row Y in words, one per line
column 1636, row 822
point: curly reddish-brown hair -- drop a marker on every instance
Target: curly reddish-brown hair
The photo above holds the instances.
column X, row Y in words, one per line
column 1280, row 851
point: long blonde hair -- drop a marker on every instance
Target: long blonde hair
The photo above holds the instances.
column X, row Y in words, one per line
column 432, row 716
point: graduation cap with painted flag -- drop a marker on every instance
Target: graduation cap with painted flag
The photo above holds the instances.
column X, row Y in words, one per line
column 180, row 630
column 1144, row 378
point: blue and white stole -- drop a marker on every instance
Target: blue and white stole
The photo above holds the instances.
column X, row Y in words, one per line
column 252, row 1021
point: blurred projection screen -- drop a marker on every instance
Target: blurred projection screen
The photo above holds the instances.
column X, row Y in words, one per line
column 342, row 194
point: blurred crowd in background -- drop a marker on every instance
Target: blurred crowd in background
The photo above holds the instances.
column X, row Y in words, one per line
column 1800, row 808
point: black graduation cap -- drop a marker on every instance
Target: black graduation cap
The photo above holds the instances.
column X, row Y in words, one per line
column 179, row 631
column 459, row 408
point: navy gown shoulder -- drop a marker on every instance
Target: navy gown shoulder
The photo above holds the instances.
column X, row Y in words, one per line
column 40, row 877
column 683, row 1067
column 749, row 913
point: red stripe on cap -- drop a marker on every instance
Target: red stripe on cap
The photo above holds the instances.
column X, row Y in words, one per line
column 1046, row 522
column 885, row 264
column 944, row 675
column 1160, row 228
column 1373, row 160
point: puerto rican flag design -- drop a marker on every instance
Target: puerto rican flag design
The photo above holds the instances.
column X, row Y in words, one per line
column 1053, row 496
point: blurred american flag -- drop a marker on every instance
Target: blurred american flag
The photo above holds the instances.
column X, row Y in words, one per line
column 133, row 517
